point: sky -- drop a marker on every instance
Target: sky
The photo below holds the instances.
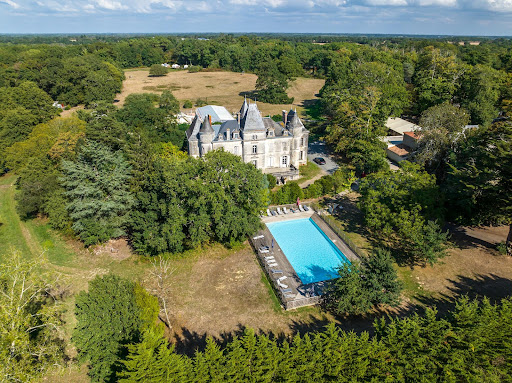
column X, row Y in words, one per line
column 423, row 17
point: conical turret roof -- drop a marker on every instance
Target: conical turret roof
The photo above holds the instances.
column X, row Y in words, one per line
column 206, row 127
column 253, row 119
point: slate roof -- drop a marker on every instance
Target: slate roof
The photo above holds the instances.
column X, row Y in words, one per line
column 252, row 120
column 206, row 127
column 293, row 120
column 193, row 130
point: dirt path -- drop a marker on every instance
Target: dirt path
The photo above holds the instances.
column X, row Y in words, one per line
column 311, row 180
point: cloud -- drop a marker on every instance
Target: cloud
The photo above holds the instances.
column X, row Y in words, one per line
column 110, row 5
column 11, row 3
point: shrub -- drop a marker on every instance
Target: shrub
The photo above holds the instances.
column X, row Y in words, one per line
column 271, row 181
column 188, row 104
column 157, row 70
column 194, row 69
column 200, row 102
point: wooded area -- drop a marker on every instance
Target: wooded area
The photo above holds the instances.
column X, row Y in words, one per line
column 108, row 172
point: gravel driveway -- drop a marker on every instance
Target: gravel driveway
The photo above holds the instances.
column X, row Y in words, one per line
column 319, row 149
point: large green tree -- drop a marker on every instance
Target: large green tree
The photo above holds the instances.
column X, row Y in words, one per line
column 441, row 131
column 479, row 184
column 356, row 127
column 272, row 84
column 97, row 187
column 110, row 316
column 404, row 208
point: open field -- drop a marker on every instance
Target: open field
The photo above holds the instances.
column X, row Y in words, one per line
column 219, row 88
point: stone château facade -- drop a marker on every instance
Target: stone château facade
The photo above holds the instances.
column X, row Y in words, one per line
column 275, row 148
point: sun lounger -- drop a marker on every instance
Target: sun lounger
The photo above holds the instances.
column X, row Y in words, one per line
column 282, row 278
column 279, row 211
column 270, row 260
column 306, row 208
column 258, row 237
column 273, row 213
column 269, row 213
column 301, row 208
column 273, row 265
column 282, row 285
column 285, row 210
column 288, row 295
column 286, row 291
column 268, row 256
column 264, row 247
column 276, row 271
column 264, row 251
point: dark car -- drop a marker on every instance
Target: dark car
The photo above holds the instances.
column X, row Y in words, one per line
column 319, row 160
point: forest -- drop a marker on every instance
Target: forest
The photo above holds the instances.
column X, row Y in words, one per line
column 108, row 172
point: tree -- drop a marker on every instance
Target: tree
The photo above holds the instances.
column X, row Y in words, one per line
column 479, row 183
column 30, row 319
column 347, row 293
column 441, row 130
column 359, row 287
column 97, row 187
column 355, row 128
column 404, row 208
column 108, row 320
column 272, row 84
column 157, row 70
column 437, row 77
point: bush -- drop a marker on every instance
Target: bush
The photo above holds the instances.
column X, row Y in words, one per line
column 343, row 179
column 200, row 102
column 314, row 190
column 188, row 104
column 502, row 248
column 157, row 70
column 272, row 182
column 287, row 194
column 194, row 69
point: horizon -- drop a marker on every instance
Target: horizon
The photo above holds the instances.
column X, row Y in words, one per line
column 383, row 17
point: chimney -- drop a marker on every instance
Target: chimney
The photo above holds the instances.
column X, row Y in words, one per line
column 285, row 116
column 228, row 134
column 210, row 119
column 238, row 118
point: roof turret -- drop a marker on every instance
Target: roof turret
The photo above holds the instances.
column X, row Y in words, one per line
column 294, row 121
column 193, row 130
column 206, row 128
column 244, row 108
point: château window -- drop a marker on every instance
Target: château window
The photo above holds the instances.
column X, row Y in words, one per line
column 236, row 150
column 254, row 137
column 254, row 149
column 302, row 142
column 301, row 155
column 235, row 135
column 284, row 161
column 255, row 163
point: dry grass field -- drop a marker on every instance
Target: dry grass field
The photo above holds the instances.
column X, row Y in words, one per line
column 218, row 88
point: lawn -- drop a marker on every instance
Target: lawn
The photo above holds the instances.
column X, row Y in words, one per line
column 309, row 171
column 219, row 88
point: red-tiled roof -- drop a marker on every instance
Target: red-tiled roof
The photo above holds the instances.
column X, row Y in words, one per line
column 400, row 149
column 412, row 134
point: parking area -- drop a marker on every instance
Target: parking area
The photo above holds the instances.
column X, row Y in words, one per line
column 319, row 149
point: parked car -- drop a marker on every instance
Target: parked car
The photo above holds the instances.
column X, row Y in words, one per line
column 319, row 160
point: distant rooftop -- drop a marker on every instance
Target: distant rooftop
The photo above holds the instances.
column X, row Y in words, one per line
column 400, row 126
column 218, row 113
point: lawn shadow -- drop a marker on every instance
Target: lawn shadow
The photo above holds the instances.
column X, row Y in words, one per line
column 491, row 286
column 466, row 238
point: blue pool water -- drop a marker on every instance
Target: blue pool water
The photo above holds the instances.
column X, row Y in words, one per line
column 311, row 253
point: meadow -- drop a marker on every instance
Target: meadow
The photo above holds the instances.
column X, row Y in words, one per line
column 218, row 88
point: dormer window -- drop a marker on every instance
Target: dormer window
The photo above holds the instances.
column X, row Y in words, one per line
column 271, row 133
column 254, row 137
column 235, row 135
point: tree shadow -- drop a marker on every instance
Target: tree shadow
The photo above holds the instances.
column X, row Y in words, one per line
column 250, row 94
column 491, row 286
column 466, row 238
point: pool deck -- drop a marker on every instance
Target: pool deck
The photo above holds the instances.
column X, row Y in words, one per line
column 301, row 295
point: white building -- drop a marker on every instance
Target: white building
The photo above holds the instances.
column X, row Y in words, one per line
column 275, row 148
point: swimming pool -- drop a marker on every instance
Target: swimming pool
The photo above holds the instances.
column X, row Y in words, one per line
column 311, row 253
